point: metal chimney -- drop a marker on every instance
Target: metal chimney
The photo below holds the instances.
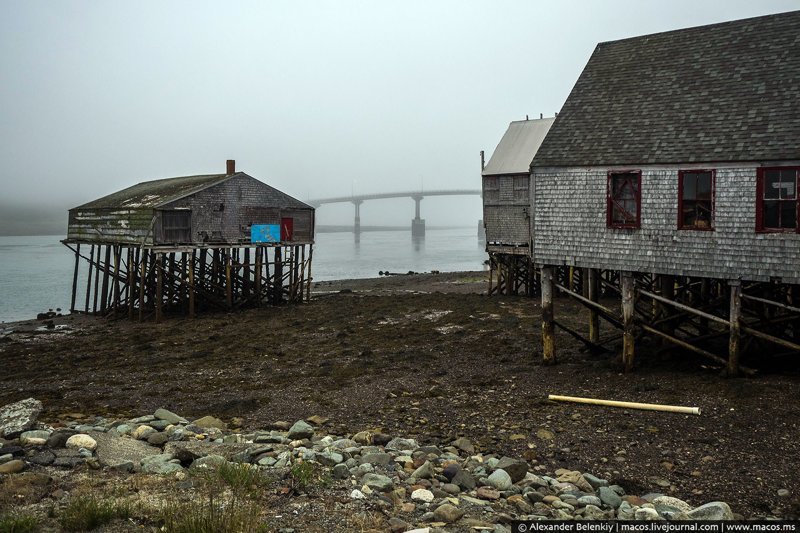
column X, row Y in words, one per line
column 230, row 166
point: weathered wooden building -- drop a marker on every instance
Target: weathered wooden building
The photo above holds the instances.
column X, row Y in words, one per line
column 507, row 207
column 671, row 177
column 194, row 242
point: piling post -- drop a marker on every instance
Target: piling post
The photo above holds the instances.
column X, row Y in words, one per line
column 735, row 316
column 548, row 318
column 228, row 287
column 75, row 278
column 89, row 280
column 627, row 289
column 106, row 266
column 142, row 282
column 593, row 293
column 159, row 284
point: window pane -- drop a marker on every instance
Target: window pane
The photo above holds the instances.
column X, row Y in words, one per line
column 788, row 182
column 772, row 179
column 689, row 214
column 788, row 215
column 704, row 186
column 624, row 199
column 771, row 214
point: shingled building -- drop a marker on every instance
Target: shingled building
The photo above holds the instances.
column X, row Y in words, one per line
column 671, row 177
column 193, row 242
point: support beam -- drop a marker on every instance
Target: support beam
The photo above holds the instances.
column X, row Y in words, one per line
column 159, row 284
column 593, row 294
column 735, row 340
column 191, row 288
column 417, row 224
column 75, row 278
column 628, row 304
column 548, row 325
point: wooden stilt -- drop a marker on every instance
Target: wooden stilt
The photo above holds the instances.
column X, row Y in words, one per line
column 191, row 288
column 142, row 283
column 277, row 288
column 228, row 287
column 309, row 279
column 593, row 294
column 627, row 287
column 257, row 274
column 96, row 278
column 106, row 267
column 89, row 280
column 115, row 281
column 548, row 326
column 734, row 342
column 75, row 278
column 159, row 285
column 131, row 281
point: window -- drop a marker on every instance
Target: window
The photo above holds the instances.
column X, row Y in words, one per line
column 521, row 187
column 776, row 199
column 624, row 197
column 696, row 199
column 491, row 188
column 176, row 226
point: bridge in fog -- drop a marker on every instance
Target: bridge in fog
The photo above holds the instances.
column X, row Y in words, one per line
column 417, row 223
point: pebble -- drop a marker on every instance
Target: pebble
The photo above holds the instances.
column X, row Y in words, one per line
column 81, row 441
column 422, row 495
column 500, row 480
column 447, row 513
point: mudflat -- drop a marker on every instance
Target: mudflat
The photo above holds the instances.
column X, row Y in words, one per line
column 433, row 358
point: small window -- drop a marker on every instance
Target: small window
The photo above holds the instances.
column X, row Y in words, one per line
column 696, row 199
column 491, row 188
column 777, row 202
column 521, row 187
column 176, row 226
column 624, row 198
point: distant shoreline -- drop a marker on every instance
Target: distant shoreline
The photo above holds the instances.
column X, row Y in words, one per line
column 320, row 228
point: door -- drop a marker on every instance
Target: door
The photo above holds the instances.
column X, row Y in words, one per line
column 287, row 229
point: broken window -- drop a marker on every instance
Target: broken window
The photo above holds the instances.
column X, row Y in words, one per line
column 696, row 199
column 777, row 205
column 176, row 226
column 624, row 197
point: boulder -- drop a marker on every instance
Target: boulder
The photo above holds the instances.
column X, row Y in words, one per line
column 81, row 440
column 114, row 450
column 516, row 468
column 169, row 416
column 711, row 511
column 377, row 482
column 18, row 417
column 500, row 480
column 300, row 430
column 207, row 422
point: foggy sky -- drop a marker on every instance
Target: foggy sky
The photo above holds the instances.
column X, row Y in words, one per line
column 314, row 98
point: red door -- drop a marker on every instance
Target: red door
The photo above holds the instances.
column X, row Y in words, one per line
column 287, row 229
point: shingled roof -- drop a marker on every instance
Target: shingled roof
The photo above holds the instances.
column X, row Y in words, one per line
column 516, row 149
column 724, row 92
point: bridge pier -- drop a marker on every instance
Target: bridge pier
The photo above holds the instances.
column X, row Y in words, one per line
column 417, row 224
column 357, row 220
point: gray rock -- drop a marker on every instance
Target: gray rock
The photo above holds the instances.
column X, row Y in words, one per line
column 58, row 438
column 159, row 425
column 516, row 468
column 784, row 493
column 646, row 513
column 424, row 472
column 465, row 445
column 609, row 497
column 447, row 513
column 626, row 511
column 160, row 464
column 329, row 458
column 398, row 444
column 123, row 429
column 34, row 437
column 590, row 500
column 711, row 511
column 142, row 420
column 396, row 525
column 267, row 461
column 464, row 480
column 341, row 471
column 6, row 458
column 380, row 458
column 142, row 432
column 157, row 439
column 300, row 430
column 18, row 417
column 124, row 466
column 210, row 422
column 669, row 501
column 81, row 440
column 593, row 512
column 500, row 480
column 68, row 462
column 42, row 458
column 209, row 461
column 377, row 482
column 451, row 488
column 595, row 481
column 169, row 416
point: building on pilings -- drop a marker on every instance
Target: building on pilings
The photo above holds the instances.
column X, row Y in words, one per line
column 507, row 207
column 670, row 178
column 190, row 244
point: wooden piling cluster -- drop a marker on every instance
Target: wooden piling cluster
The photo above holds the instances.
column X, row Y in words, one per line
column 695, row 314
column 512, row 274
column 148, row 281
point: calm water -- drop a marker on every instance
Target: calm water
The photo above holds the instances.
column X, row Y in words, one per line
column 36, row 272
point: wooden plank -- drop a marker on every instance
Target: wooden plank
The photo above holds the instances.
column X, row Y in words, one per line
column 684, row 307
column 770, row 302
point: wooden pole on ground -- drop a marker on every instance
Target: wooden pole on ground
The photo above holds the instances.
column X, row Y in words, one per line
column 548, row 326
column 75, row 278
column 734, row 341
column 627, row 287
column 630, row 405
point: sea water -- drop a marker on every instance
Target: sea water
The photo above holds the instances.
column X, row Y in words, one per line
column 36, row 272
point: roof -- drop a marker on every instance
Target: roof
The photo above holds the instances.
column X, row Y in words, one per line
column 156, row 192
column 516, row 149
column 724, row 92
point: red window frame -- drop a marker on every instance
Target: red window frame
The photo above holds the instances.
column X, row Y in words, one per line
column 610, row 201
column 681, row 174
column 760, row 178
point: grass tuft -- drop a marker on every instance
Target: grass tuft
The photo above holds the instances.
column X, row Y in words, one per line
column 18, row 523
column 84, row 513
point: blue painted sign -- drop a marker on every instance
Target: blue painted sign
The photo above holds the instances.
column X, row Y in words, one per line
column 265, row 233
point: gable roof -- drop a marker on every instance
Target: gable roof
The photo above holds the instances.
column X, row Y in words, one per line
column 516, row 149
column 158, row 193
column 724, row 92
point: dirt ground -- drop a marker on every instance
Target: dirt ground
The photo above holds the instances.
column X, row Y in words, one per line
column 432, row 357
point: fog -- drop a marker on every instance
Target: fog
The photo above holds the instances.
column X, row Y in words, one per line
column 315, row 98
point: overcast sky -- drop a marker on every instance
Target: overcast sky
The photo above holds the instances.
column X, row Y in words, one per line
column 314, row 98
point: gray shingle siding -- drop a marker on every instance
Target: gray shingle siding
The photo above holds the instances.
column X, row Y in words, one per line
column 570, row 228
column 506, row 211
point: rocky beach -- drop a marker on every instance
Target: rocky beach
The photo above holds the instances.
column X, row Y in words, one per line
column 396, row 404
